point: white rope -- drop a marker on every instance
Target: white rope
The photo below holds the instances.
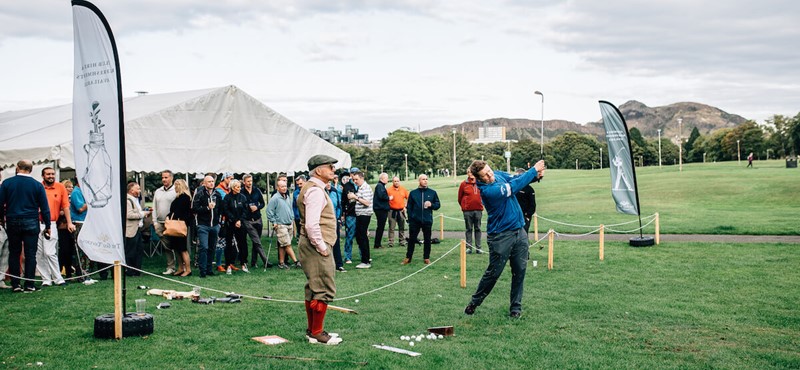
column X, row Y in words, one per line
column 650, row 217
column 296, row 301
column 630, row 231
column 398, row 281
column 653, row 216
column 539, row 241
column 72, row 278
column 575, row 235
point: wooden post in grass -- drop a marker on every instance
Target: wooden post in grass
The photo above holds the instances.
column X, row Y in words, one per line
column 117, row 300
column 602, row 241
column 536, row 226
column 463, row 263
column 441, row 227
column 550, row 249
column 658, row 230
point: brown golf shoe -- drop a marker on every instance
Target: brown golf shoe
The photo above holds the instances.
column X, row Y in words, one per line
column 405, row 261
column 427, row 261
column 323, row 338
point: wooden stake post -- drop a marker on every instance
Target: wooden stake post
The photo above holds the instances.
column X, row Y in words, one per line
column 602, row 241
column 117, row 300
column 441, row 227
column 536, row 226
column 550, row 249
column 658, row 230
column 463, row 263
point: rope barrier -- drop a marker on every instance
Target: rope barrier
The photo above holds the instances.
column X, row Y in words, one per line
column 297, row 301
column 575, row 235
column 630, row 231
column 71, row 278
column 650, row 217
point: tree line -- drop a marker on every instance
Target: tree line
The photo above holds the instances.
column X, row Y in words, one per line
column 779, row 137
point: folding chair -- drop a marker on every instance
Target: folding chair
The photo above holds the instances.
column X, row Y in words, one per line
column 153, row 244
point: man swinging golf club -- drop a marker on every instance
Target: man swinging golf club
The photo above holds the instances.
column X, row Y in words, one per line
column 317, row 237
column 507, row 238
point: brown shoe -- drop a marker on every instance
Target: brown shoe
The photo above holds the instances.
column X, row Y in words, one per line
column 427, row 261
column 323, row 338
column 405, row 261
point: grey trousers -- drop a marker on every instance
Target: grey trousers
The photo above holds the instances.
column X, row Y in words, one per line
column 504, row 246
column 254, row 229
column 472, row 223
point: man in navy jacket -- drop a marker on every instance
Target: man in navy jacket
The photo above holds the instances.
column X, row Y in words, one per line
column 422, row 201
column 507, row 238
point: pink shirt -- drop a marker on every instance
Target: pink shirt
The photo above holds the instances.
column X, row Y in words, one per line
column 315, row 200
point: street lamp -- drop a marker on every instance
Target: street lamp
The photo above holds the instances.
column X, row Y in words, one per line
column 704, row 157
column 454, row 153
column 541, row 144
column 738, row 151
column 406, row 155
column 680, row 144
column 659, row 148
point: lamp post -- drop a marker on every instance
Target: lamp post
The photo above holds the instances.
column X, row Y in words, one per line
column 406, row 155
column 454, row 153
column 541, row 144
column 659, row 148
column 704, row 157
column 738, row 152
column 601, row 158
column 680, row 144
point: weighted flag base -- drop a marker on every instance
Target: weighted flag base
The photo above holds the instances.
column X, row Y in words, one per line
column 642, row 241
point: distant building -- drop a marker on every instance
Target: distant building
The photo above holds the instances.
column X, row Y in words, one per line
column 493, row 134
column 350, row 136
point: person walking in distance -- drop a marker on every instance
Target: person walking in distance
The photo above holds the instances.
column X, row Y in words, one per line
column 317, row 237
column 469, row 198
column 506, row 236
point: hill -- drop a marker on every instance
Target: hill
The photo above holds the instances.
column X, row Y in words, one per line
column 647, row 119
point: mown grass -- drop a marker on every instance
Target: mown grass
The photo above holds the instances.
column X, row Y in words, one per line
column 710, row 198
column 678, row 305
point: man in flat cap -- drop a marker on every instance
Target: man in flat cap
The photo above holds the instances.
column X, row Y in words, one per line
column 317, row 237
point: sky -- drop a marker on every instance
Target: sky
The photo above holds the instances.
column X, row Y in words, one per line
column 384, row 64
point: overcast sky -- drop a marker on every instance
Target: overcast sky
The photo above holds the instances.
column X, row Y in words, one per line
column 382, row 64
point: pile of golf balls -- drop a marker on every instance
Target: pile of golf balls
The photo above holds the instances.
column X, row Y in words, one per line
column 418, row 338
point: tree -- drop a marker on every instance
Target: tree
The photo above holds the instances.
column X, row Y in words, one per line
column 571, row 146
column 687, row 148
column 396, row 145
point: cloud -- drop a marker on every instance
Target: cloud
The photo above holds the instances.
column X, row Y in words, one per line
column 716, row 39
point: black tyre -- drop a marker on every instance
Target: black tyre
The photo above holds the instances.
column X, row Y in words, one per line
column 132, row 325
column 644, row 241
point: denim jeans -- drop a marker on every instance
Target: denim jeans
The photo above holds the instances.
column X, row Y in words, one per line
column 207, row 237
column 350, row 233
column 23, row 233
column 504, row 246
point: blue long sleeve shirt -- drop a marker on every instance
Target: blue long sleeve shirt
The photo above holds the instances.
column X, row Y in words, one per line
column 498, row 197
column 22, row 197
column 76, row 202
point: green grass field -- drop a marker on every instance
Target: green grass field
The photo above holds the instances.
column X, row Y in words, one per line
column 672, row 306
column 677, row 305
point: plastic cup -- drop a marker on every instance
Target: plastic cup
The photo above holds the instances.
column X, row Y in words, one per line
column 535, row 263
column 140, row 306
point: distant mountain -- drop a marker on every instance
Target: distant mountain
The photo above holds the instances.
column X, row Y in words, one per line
column 647, row 119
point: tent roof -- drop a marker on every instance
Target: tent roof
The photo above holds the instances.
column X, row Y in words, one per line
column 211, row 130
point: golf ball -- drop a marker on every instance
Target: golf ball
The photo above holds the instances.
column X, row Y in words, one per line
column 440, row 336
column 356, row 301
column 411, row 344
column 402, row 337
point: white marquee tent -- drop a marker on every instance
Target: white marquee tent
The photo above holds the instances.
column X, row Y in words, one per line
column 212, row 130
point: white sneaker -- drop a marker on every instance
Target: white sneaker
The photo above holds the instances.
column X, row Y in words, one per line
column 169, row 271
column 244, row 268
column 348, row 261
column 363, row 265
column 229, row 272
column 3, row 285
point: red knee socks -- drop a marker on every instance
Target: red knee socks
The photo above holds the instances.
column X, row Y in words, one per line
column 317, row 321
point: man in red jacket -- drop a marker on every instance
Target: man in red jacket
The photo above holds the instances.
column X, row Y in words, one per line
column 469, row 197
